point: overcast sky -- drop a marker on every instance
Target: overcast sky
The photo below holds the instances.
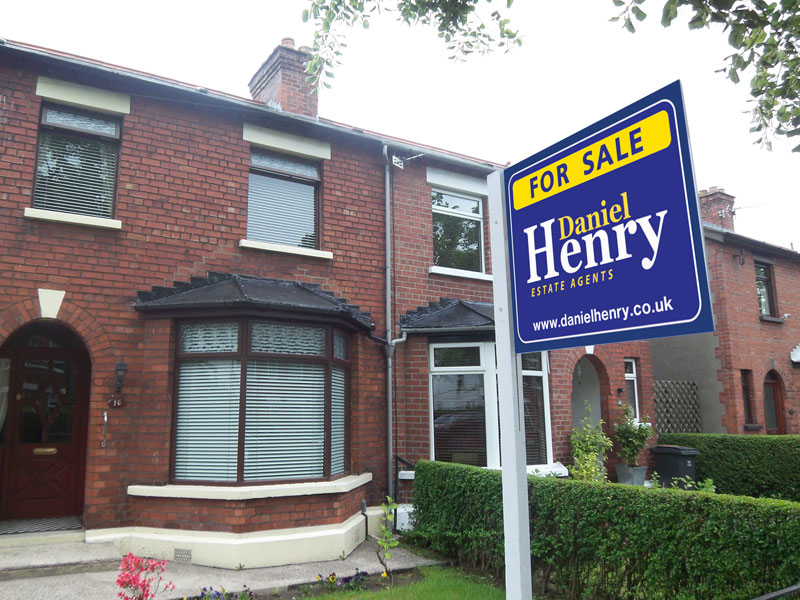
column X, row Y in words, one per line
column 574, row 68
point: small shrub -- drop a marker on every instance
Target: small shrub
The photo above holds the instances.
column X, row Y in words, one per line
column 589, row 447
column 141, row 578
column 387, row 541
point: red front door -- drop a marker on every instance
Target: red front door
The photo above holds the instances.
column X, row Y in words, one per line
column 44, row 437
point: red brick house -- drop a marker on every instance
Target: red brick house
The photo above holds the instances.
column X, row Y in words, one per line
column 746, row 371
column 223, row 317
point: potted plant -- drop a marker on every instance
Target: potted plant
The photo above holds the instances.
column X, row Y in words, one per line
column 632, row 437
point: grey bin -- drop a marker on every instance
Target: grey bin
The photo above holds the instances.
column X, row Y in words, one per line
column 674, row 461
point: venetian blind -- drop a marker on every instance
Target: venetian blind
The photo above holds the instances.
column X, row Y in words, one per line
column 337, row 420
column 280, row 211
column 285, row 420
column 75, row 175
column 207, row 421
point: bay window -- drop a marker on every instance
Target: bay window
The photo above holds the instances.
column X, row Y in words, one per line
column 260, row 401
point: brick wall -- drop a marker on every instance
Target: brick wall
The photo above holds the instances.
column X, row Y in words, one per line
column 415, row 286
column 182, row 199
column 746, row 340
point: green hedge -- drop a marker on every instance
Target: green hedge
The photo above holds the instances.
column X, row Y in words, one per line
column 595, row 540
column 763, row 466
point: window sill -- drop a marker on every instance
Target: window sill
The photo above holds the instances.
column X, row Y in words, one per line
column 770, row 319
column 268, row 247
column 753, row 427
column 436, row 270
column 72, row 219
column 251, row 492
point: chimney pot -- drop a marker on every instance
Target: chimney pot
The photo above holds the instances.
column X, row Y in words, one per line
column 287, row 42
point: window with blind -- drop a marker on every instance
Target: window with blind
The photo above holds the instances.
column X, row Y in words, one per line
column 464, row 404
column 282, row 200
column 260, row 401
column 457, row 231
column 76, row 164
column 534, row 393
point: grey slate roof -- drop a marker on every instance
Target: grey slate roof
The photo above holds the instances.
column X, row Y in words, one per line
column 450, row 315
column 225, row 290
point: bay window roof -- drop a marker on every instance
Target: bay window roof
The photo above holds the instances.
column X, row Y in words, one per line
column 259, row 294
column 450, row 315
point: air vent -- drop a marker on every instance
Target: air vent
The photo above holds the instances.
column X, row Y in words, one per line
column 182, row 555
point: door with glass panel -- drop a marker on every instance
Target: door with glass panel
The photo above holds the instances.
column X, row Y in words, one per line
column 43, row 398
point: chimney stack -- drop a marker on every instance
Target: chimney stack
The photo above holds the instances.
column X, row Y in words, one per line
column 716, row 208
column 281, row 81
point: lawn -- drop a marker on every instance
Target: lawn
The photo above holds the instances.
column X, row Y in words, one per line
column 437, row 583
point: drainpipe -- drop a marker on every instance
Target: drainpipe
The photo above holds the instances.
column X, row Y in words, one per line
column 387, row 211
column 389, row 347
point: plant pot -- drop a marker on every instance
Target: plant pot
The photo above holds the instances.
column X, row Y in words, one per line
column 631, row 475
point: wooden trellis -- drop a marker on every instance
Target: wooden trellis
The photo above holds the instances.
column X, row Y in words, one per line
column 677, row 407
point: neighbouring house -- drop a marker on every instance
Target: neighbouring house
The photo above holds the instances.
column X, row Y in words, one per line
column 223, row 318
column 744, row 374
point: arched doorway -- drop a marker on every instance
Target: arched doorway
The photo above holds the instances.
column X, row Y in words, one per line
column 44, row 399
column 773, row 404
column 585, row 392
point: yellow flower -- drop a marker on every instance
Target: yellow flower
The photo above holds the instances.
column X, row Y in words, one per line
column 384, row 574
column 332, row 577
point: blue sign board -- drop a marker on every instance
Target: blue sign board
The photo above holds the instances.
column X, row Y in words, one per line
column 604, row 233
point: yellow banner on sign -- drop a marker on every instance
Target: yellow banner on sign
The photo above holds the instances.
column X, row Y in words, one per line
column 624, row 147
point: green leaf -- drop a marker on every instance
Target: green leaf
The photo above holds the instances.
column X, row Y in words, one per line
column 639, row 13
column 305, row 15
column 629, row 25
column 670, row 12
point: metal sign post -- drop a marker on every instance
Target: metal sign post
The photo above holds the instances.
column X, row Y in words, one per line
column 512, row 425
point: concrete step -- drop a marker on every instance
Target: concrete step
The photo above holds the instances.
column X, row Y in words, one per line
column 51, row 554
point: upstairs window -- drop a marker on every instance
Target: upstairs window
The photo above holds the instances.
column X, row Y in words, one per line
column 457, row 231
column 76, row 168
column 765, row 290
column 282, row 201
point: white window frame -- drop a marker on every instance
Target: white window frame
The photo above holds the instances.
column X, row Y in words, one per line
column 491, row 415
column 633, row 377
column 488, row 368
column 545, row 375
column 463, row 215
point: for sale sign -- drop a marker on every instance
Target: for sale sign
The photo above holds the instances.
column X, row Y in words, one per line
column 605, row 240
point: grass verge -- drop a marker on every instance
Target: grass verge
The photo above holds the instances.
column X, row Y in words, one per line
column 438, row 583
